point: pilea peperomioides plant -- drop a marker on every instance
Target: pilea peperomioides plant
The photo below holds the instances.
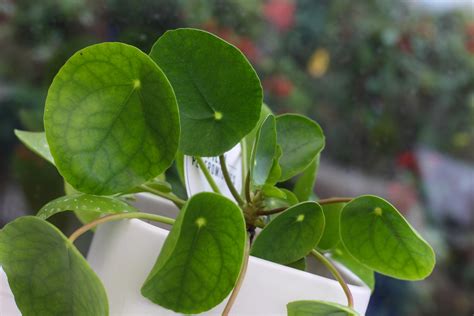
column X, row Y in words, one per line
column 116, row 118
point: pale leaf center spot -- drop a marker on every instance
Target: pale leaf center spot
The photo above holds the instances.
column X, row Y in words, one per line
column 137, row 84
column 378, row 211
column 218, row 115
column 300, row 218
column 200, row 222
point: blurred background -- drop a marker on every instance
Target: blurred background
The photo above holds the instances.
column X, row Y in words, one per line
column 390, row 82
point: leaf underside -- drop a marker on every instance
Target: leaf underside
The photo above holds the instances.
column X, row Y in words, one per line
column 36, row 141
column 79, row 202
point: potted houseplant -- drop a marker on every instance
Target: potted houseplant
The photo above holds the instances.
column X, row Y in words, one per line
column 116, row 118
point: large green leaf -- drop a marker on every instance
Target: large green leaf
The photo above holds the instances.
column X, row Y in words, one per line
column 111, row 119
column 201, row 258
column 301, row 140
column 46, row 273
column 375, row 233
column 291, row 235
column 98, row 205
column 264, row 151
column 340, row 254
column 331, row 236
column 36, row 141
column 219, row 93
column 305, row 183
column 318, row 308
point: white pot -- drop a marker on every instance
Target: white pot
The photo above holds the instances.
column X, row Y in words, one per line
column 123, row 253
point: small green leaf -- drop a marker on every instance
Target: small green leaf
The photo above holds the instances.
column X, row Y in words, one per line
column 201, row 258
column 290, row 197
column 264, row 151
column 46, row 273
column 111, row 119
column 331, row 236
column 300, row 139
column 298, row 264
column 250, row 138
column 291, row 235
column 275, row 171
column 318, row 308
column 375, row 233
column 219, row 93
column 305, row 183
column 35, row 141
column 97, row 205
column 270, row 191
column 340, row 254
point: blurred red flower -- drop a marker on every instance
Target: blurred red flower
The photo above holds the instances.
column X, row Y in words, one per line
column 280, row 13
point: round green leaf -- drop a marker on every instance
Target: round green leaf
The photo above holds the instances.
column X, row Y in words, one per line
column 318, row 308
column 331, row 236
column 304, row 185
column 201, row 259
column 291, row 235
column 301, row 140
column 98, row 205
column 111, row 119
column 264, row 151
column 219, row 93
column 36, row 141
column 46, row 273
column 375, row 234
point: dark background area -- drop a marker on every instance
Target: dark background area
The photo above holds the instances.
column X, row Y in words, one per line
column 390, row 82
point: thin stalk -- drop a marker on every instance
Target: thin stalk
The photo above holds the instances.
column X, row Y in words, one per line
column 271, row 212
column 208, row 176
column 335, row 200
column 336, row 274
column 115, row 217
column 247, row 188
column 228, row 181
column 238, row 285
column 169, row 196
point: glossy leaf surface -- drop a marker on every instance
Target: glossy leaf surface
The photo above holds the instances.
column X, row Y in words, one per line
column 219, row 93
column 331, row 236
column 98, row 205
column 375, row 233
column 305, row 183
column 46, row 273
column 318, row 308
column 36, row 141
column 264, row 151
column 201, row 258
column 365, row 274
column 111, row 119
column 291, row 235
column 301, row 140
